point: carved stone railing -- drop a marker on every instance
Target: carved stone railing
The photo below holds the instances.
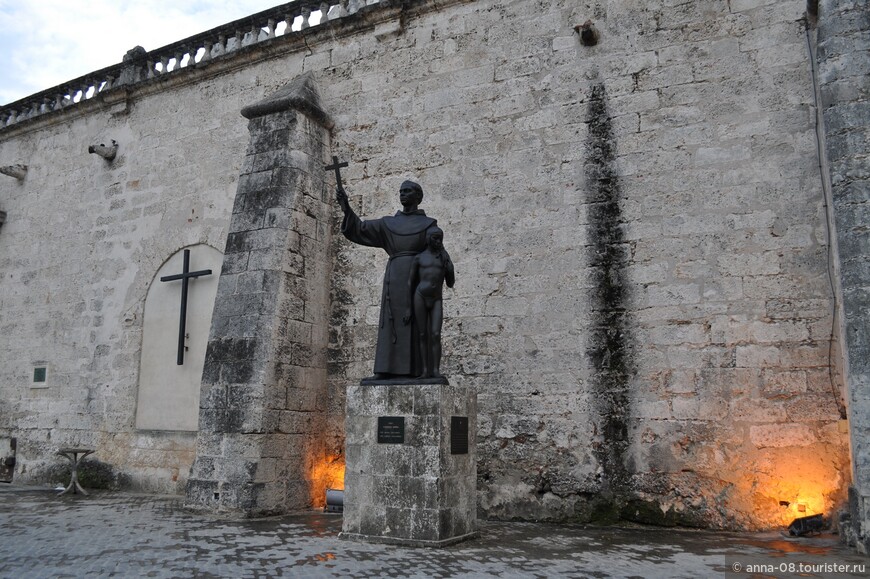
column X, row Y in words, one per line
column 140, row 66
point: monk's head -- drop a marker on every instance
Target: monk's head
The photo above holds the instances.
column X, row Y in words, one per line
column 410, row 195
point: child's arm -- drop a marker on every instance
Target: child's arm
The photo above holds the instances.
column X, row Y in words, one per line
column 449, row 275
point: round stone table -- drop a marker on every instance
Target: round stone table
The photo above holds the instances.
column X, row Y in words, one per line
column 75, row 456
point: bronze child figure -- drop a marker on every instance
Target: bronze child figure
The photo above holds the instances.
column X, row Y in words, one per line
column 429, row 271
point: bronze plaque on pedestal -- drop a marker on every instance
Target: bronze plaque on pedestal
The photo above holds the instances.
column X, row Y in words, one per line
column 458, row 435
column 391, row 429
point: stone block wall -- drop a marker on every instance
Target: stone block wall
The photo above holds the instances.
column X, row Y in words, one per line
column 81, row 244
column 844, row 75
column 642, row 298
column 638, row 227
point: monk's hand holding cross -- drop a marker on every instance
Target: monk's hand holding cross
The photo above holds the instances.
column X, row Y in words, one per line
column 341, row 197
column 340, row 194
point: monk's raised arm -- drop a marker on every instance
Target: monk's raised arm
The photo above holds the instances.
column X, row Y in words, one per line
column 341, row 197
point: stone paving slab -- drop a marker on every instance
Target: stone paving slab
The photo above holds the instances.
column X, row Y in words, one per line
column 129, row 535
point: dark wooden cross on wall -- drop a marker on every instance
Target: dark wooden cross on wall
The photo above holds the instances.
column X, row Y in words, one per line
column 184, row 276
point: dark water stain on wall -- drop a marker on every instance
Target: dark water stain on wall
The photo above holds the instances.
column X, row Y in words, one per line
column 609, row 350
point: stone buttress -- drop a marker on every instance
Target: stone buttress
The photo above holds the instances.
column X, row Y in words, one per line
column 265, row 372
column 844, row 87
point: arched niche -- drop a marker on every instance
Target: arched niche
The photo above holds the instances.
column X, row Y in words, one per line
column 168, row 396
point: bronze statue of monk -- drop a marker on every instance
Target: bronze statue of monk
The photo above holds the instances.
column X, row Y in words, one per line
column 402, row 236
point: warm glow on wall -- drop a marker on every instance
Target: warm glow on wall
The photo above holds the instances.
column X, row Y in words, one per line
column 328, row 473
column 792, row 483
column 807, row 504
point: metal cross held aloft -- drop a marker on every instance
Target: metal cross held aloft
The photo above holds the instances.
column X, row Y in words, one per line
column 336, row 166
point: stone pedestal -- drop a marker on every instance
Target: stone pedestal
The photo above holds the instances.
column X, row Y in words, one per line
column 411, row 464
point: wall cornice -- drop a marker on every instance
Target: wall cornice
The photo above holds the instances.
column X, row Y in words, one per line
column 218, row 51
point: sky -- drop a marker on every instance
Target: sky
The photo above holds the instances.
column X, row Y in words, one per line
column 45, row 43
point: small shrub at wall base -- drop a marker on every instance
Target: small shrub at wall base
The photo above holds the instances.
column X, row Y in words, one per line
column 93, row 474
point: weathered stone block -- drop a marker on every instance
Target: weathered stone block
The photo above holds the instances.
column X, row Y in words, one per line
column 781, row 435
column 213, row 395
column 253, row 183
column 247, row 220
column 204, row 469
column 213, row 420
column 372, row 520
column 233, row 263
column 200, row 493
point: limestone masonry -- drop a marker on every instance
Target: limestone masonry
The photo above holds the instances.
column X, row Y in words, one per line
column 659, row 238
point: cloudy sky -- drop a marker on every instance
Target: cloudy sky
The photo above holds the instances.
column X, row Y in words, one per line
column 44, row 43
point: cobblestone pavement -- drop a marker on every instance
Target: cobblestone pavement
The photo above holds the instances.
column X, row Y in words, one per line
column 128, row 535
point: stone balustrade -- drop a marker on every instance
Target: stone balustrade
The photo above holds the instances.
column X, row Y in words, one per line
column 141, row 66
